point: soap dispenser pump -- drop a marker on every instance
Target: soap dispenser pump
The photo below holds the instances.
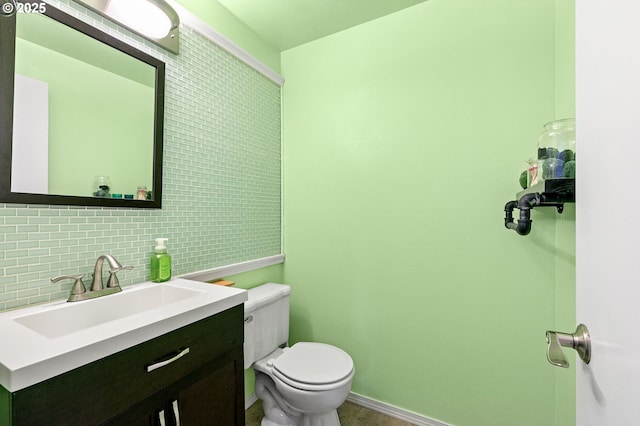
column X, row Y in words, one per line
column 160, row 262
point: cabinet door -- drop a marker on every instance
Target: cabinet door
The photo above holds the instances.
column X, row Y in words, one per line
column 145, row 413
column 213, row 398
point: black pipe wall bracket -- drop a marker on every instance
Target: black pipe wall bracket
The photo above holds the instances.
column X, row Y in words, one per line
column 555, row 194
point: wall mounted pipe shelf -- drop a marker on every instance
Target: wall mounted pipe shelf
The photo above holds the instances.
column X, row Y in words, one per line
column 548, row 193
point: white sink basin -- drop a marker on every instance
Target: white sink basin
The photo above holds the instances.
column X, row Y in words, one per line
column 75, row 316
column 43, row 341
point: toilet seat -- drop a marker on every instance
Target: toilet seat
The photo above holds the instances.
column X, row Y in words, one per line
column 313, row 366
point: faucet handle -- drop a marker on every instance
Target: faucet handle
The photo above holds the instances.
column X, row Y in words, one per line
column 113, row 279
column 78, row 285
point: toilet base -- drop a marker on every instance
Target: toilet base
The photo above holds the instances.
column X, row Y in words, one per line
column 267, row 422
column 273, row 404
column 326, row 419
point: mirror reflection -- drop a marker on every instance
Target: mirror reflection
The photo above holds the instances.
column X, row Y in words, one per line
column 86, row 114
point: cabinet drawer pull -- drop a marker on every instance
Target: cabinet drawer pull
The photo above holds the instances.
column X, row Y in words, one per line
column 161, row 364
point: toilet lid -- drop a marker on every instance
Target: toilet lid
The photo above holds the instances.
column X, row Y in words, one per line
column 314, row 363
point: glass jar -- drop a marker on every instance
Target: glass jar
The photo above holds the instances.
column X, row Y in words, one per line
column 557, row 149
column 103, row 186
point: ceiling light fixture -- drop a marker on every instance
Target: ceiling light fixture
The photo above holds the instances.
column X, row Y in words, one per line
column 154, row 20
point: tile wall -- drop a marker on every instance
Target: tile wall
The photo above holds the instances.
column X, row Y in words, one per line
column 221, row 189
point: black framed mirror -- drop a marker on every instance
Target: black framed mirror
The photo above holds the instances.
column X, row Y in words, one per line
column 81, row 114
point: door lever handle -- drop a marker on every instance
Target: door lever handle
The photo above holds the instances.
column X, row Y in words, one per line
column 580, row 341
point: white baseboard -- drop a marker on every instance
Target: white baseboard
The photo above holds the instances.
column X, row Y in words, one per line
column 392, row 411
column 250, row 400
column 378, row 406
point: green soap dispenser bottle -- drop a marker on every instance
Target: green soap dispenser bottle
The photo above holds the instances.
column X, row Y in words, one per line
column 160, row 262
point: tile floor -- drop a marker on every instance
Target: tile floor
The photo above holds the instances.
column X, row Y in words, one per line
column 350, row 415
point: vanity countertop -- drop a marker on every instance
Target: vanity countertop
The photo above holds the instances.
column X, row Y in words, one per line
column 43, row 341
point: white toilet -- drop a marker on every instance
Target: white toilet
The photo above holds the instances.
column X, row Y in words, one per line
column 299, row 385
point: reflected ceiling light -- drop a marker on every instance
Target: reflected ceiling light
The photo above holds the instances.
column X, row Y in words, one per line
column 154, row 20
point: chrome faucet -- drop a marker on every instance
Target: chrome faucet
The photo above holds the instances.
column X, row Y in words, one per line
column 79, row 291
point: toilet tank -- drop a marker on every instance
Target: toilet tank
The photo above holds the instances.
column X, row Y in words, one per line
column 266, row 321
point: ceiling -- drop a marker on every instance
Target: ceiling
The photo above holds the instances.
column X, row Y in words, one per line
column 288, row 23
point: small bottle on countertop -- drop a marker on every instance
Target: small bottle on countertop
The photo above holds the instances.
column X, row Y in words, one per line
column 160, row 262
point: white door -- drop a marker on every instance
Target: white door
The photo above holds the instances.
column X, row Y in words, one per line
column 608, row 209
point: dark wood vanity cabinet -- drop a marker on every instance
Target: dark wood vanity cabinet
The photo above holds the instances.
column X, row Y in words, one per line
column 203, row 386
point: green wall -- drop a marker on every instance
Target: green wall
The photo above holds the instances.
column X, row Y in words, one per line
column 223, row 21
column 565, row 247
column 402, row 141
